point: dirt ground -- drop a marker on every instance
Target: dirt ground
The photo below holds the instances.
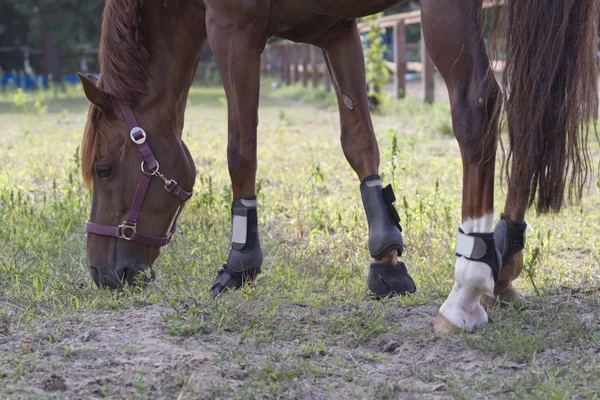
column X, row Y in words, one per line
column 133, row 354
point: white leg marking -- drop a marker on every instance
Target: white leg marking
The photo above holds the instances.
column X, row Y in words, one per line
column 472, row 279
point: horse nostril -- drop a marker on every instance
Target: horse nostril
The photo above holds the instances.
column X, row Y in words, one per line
column 113, row 279
column 116, row 279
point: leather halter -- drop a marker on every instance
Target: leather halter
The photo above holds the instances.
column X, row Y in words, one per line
column 150, row 167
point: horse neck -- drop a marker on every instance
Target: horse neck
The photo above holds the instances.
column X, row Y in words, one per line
column 174, row 56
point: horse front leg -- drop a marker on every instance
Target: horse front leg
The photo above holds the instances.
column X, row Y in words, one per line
column 343, row 53
column 453, row 33
column 237, row 49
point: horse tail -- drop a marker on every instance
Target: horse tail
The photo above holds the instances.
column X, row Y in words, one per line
column 551, row 98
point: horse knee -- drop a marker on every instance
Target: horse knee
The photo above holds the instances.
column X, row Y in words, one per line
column 475, row 110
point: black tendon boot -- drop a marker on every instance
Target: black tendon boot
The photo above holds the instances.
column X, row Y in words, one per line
column 509, row 237
column 245, row 257
column 385, row 234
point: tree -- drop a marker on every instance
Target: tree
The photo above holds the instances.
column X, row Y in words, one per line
column 73, row 24
column 14, row 31
column 377, row 72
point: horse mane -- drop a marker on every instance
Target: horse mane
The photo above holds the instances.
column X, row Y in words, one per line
column 123, row 56
column 124, row 63
column 93, row 141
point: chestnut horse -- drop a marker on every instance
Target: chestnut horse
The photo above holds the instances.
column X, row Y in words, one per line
column 149, row 52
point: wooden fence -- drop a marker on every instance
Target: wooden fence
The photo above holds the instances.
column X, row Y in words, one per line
column 297, row 62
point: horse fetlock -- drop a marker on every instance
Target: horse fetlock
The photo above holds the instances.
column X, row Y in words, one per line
column 476, row 270
column 507, row 295
column 510, row 238
column 473, row 276
column 391, row 257
column 245, row 257
column 385, row 232
column 509, row 273
column 462, row 308
column 246, row 252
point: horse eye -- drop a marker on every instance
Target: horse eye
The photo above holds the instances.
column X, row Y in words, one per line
column 104, row 171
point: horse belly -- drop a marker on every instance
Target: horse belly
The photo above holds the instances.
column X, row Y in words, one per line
column 353, row 8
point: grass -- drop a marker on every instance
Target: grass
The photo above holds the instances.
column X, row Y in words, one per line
column 309, row 323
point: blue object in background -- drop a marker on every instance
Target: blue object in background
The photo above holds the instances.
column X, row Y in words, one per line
column 71, row 78
column 32, row 82
column 23, row 81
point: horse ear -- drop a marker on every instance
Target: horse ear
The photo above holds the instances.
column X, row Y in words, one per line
column 93, row 79
column 93, row 93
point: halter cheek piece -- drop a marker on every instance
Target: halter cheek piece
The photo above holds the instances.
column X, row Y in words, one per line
column 150, row 167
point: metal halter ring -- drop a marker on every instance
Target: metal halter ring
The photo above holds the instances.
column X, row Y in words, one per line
column 151, row 172
column 133, row 132
column 124, row 228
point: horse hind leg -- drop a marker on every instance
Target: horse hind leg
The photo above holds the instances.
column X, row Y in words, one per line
column 241, row 81
column 343, row 54
column 453, row 33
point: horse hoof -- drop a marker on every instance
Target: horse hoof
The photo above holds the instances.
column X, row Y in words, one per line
column 444, row 326
column 228, row 279
column 388, row 280
column 454, row 316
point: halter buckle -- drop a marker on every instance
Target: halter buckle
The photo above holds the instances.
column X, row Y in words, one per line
column 138, row 135
column 124, row 228
column 170, row 184
column 153, row 171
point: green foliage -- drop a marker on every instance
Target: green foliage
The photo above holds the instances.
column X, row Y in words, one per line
column 524, row 335
column 317, row 97
column 73, row 23
column 14, row 29
column 377, row 71
column 23, row 102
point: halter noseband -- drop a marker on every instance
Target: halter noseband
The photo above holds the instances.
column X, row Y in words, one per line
column 128, row 229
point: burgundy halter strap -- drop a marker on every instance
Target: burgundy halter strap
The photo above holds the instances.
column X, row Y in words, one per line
column 150, row 167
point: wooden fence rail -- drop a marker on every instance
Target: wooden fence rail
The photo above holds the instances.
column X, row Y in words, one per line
column 295, row 62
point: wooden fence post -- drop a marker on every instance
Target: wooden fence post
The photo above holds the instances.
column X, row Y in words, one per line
column 305, row 61
column 314, row 67
column 277, row 61
column 288, row 64
column 327, row 77
column 270, row 61
column 263, row 62
column 283, row 72
column 428, row 74
column 296, row 61
column 400, row 56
